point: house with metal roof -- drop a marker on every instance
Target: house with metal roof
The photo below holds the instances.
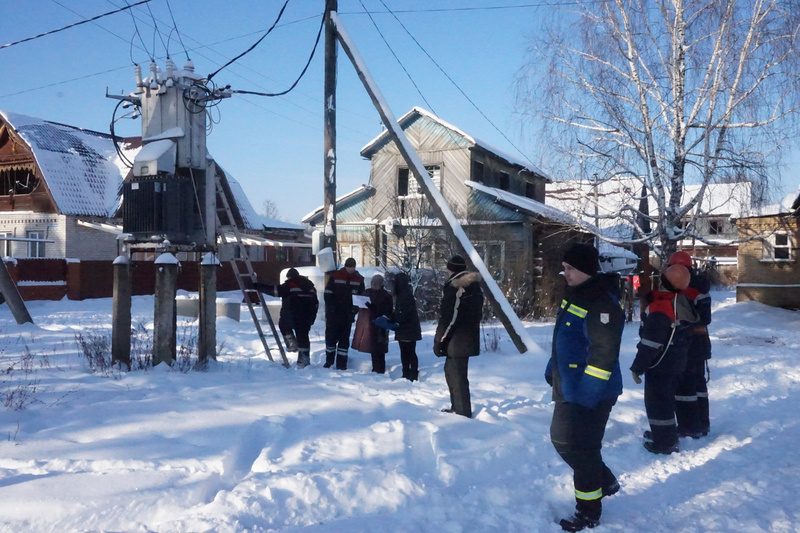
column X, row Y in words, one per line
column 498, row 199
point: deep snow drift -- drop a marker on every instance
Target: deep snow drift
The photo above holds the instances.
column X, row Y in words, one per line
column 252, row 446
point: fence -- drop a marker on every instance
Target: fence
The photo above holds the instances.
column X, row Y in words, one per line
column 52, row 279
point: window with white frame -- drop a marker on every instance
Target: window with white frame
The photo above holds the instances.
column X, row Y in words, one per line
column 36, row 249
column 777, row 247
column 5, row 246
column 352, row 250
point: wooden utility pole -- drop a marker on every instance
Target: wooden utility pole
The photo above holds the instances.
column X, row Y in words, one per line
column 329, row 202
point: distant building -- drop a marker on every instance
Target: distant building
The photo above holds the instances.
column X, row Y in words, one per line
column 498, row 199
column 608, row 203
column 769, row 262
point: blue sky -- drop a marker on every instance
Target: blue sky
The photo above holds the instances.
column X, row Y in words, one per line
column 274, row 146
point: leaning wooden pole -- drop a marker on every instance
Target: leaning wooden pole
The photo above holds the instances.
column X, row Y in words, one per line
column 15, row 302
column 502, row 309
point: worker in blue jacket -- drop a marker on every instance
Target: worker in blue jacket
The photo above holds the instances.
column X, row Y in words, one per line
column 585, row 375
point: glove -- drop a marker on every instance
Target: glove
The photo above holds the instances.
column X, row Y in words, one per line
column 636, row 378
column 437, row 349
column 384, row 322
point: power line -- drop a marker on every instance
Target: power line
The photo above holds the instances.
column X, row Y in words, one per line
column 305, row 68
column 144, row 46
column 479, row 8
column 414, row 83
column 254, row 44
column 72, row 25
column 175, row 25
column 456, row 84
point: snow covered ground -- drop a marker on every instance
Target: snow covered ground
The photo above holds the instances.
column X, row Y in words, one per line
column 252, row 446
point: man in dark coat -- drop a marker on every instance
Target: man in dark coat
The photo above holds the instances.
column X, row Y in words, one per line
column 661, row 357
column 691, row 400
column 584, row 372
column 458, row 333
column 340, row 312
column 299, row 305
column 408, row 330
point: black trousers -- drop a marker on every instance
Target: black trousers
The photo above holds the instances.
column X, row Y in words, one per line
column 659, row 404
column 337, row 342
column 409, row 360
column 577, row 435
column 691, row 397
column 455, row 373
column 300, row 334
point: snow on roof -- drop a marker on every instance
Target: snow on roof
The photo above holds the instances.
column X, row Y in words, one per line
column 339, row 200
column 526, row 204
column 552, row 213
column 251, row 219
column 612, row 196
column 469, row 138
column 788, row 204
column 81, row 167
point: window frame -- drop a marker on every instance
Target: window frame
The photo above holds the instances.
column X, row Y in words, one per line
column 769, row 247
column 36, row 249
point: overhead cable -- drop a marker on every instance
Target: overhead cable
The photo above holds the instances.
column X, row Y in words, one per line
column 254, row 44
column 456, row 85
column 305, row 68
column 414, row 83
column 72, row 25
column 175, row 25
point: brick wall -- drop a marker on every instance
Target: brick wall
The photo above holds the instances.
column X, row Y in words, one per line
column 775, row 283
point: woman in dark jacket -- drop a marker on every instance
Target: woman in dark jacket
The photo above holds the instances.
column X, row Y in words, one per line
column 368, row 336
column 408, row 330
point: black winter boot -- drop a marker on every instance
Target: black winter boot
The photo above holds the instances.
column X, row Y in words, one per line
column 330, row 357
column 578, row 522
column 652, row 447
column 303, row 358
column 341, row 362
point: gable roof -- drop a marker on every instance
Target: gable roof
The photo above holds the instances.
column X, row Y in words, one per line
column 417, row 112
column 342, row 202
column 81, row 167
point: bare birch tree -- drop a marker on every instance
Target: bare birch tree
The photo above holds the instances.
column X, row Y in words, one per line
column 669, row 92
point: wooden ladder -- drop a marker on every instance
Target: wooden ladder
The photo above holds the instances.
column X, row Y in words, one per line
column 246, row 280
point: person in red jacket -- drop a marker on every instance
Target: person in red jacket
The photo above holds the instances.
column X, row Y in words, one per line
column 661, row 357
column 340, row 312
column 691, row 399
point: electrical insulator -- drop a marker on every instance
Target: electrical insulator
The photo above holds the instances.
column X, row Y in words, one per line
column 138, row 73
column 153, row 75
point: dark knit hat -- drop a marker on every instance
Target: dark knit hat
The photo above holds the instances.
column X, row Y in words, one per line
column 350, row 262
column 583, row 257
column 292, row 273
column 457, row 264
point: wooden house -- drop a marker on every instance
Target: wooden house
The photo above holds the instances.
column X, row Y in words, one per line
column 769, row 262
column 498, row 199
